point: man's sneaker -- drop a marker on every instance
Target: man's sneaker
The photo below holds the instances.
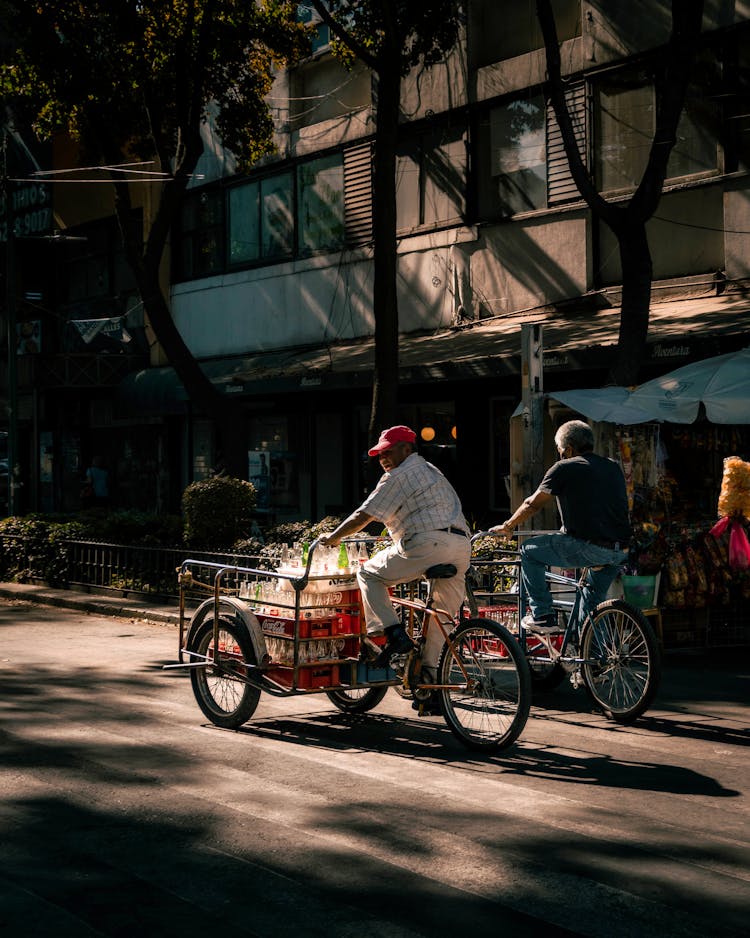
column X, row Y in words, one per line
column 369, row 651
column 398, row 644
column 544, row 626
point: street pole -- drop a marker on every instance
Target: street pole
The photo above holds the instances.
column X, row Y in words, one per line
column 10, row 320
column 532, row 397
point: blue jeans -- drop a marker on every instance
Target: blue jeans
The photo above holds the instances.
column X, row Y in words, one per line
column 562, row 550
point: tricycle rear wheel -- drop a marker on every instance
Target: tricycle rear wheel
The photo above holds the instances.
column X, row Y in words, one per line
column 492, row 711
column 356, row 699
column 220, row 687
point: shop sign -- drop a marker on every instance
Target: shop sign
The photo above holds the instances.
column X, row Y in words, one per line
column 31, row 211
column 670, row 351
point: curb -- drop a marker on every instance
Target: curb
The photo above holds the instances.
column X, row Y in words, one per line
column 115, row 606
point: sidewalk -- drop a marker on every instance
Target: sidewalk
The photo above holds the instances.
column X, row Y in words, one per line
column 102, row 604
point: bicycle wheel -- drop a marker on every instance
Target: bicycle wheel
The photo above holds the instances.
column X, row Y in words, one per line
column 490, row 712
column 219, row 688
column 357, row 699
column 621, row 669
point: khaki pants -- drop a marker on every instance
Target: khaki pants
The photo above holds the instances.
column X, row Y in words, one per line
column 404, row 561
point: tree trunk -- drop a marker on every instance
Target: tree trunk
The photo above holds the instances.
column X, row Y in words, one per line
column 628, row 222
column 224, row 412
column 637, row 273
column 385, row 296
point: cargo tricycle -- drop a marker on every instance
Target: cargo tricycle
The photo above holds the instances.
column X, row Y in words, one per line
column 298, row 629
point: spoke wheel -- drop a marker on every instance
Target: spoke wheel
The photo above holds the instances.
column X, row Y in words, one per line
column 621, row 669
column 358, row 699
column 220, row 689
column 492, row 711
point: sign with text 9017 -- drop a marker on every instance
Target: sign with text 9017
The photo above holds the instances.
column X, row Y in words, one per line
column 30, row 210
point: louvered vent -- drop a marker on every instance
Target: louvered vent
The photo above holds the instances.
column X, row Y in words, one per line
column 358, row 194
column 560, row 185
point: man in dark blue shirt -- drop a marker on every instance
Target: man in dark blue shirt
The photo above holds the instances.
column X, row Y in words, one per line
column 593, row 505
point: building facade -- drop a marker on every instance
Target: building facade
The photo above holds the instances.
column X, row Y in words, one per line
column 272, row 272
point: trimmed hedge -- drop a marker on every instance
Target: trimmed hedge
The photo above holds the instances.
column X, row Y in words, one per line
column 218, row 511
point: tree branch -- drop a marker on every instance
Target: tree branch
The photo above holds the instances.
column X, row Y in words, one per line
column 556, row 91
column 687, row 18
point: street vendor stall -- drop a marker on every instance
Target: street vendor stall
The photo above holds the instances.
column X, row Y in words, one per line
column 676, row 438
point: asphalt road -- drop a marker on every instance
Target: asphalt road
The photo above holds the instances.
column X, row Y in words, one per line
column 124, row 813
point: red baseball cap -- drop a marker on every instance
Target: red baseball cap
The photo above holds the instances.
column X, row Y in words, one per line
column 391, row 436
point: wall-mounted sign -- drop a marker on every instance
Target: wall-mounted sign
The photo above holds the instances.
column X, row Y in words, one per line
column 30, row 209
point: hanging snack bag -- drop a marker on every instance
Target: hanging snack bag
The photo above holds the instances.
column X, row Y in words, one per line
column 734, row 498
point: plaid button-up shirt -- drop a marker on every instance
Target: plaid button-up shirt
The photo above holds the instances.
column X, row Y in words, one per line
column 413, row 498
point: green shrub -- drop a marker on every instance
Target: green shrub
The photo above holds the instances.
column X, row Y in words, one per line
column 300, row 531
column 34, row 546
column 133, row 528
column 217, row 512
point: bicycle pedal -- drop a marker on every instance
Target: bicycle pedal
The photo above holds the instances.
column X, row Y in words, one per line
column 398, row 663
column 576, row 680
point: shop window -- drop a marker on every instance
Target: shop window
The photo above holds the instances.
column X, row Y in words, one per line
column 320, row 201
column 437, row 434
column 496, row 34
column 431, row 179
column 273, row 465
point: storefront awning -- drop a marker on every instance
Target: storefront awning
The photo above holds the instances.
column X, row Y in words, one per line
column 573, row 340
column 721, row 384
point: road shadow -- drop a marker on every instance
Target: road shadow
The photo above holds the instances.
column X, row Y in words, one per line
column 431, row 741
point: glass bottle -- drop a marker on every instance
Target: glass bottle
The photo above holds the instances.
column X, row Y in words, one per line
column 343, row 559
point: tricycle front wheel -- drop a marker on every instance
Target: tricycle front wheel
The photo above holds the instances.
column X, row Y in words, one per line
column 220, row 687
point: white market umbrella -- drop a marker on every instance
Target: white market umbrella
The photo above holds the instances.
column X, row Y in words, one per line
column 612, row 404
column 721, row 384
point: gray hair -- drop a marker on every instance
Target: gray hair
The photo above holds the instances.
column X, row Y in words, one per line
column 577, row 435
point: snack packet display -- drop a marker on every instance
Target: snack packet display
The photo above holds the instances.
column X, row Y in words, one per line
column 734, row 510
column 734, row 498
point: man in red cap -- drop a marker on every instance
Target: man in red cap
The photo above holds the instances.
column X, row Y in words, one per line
column 424, row 518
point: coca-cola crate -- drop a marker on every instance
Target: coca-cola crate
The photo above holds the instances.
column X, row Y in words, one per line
column 308, row 678
column 321, row 628
column 505, row 615
column 308, row 628
column 351, row 647
column 284, row 627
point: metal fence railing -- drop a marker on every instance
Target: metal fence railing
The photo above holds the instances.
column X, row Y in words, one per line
column 93, row 565
column 136, row 569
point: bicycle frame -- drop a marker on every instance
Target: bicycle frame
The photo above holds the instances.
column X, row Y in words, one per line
column 428, row 614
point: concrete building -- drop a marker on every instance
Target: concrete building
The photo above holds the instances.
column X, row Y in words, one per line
column 272, row 272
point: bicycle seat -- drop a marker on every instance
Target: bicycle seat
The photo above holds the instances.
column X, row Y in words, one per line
column 441, row 571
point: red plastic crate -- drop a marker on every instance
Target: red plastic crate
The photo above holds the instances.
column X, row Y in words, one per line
column 308, row 678
column 320, row 628
column 346, row 623
column 505, row 615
